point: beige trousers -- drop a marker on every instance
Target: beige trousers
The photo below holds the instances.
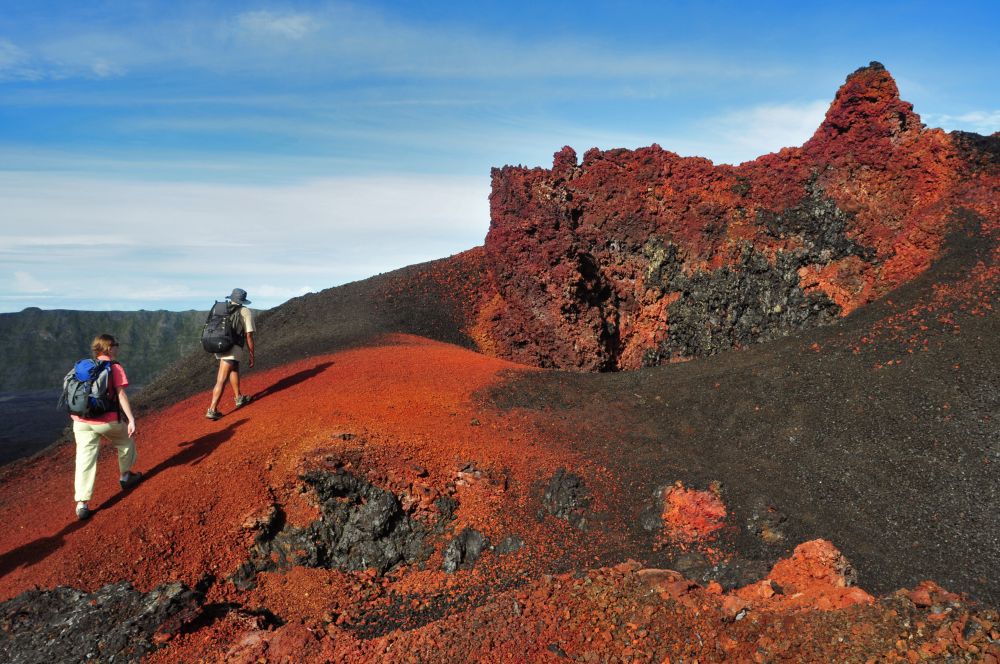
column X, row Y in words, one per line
column 88, row 437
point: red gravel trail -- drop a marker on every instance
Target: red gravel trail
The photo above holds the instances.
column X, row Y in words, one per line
column 408, row 414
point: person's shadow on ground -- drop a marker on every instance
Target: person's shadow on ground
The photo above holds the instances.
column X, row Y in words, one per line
column 193, row 452
column 294, row 379
column 37, row 550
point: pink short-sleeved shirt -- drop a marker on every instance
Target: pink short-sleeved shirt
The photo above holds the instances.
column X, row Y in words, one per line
column 119, row 379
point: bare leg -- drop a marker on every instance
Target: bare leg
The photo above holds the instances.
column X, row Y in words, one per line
column 234, row 382
column 225, row 369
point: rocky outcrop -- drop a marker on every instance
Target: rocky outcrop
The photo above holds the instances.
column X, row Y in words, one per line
column 638, row 257
column 113, row 624
column 363, row 526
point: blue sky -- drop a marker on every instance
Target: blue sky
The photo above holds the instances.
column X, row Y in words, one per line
column 157, row 154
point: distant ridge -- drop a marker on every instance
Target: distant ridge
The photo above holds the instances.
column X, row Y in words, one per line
column 39, row 346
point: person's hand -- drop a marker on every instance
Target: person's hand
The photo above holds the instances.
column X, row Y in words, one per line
column 131, row 428
column 251, row 360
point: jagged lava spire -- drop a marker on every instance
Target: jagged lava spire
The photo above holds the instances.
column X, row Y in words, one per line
column 865, row 115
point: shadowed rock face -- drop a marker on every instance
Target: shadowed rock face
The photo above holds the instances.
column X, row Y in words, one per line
column 635, row 258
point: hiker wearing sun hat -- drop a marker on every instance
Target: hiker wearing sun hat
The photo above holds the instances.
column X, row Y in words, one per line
column 242, row 350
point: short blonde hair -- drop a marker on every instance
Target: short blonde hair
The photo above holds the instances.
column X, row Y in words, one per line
column 102, row 345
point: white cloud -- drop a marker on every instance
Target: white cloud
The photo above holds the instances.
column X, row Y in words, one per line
column 271, row 292
column 76, row 55
column 174, row 245
column 733, row 137
column 728, row 138
column 344, row 41
column 271, row 24
column 15, row 63
column 26, row 283
column 10, row 55
column 980, row 122
column 759, row 130
column 10, row 241
column 103, row 68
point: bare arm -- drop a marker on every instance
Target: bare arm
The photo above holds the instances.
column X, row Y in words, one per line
column 250, row 346
column 127, row 409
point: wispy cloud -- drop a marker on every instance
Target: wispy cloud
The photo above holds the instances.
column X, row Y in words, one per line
column 272, row 24
column 344, row 41
column 25, row 283
column 104, row 68
column 732, row 137
column 93, row 56
column 172, row 242
column 15, row 63
column 745, row 134
column 279, row 293
column 981, row 122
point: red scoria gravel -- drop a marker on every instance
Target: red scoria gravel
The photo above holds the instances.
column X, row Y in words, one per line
column 407, row 415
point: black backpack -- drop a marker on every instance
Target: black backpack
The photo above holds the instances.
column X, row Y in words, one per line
column 88, row 389
column 223, row 328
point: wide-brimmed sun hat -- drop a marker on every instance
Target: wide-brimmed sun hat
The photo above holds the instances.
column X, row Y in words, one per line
column 239, row 296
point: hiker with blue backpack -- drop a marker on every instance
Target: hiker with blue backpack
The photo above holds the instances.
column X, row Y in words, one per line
column 94, row 395
column 228, row 333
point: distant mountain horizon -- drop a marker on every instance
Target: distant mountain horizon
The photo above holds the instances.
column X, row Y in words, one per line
column 41, row 345
column 36, row 308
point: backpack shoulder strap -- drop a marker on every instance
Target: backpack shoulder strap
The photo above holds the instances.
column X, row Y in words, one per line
column 236, row 317
column 108, row 366
column 112, row 392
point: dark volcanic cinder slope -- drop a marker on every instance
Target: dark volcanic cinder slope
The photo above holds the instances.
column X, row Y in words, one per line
column 879, row 433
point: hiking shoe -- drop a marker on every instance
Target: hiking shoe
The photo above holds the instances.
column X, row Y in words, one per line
column 82, row 512
column 130, row 481
column 212, row 414
column 242, row 400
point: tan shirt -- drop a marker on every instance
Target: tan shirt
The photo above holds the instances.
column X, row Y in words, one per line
column 237, row 353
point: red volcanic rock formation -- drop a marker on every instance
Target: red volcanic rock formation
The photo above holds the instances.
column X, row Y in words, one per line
column 635, row 258
column 817, row 575
column 691, row 516
column 629, row 613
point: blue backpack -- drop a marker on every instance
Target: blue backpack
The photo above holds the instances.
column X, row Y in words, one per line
column 88, row 389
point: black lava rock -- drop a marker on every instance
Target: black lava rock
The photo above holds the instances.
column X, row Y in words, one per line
column 566, row 498
column 464, row 550
column 114, row 624
column 363, row 527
